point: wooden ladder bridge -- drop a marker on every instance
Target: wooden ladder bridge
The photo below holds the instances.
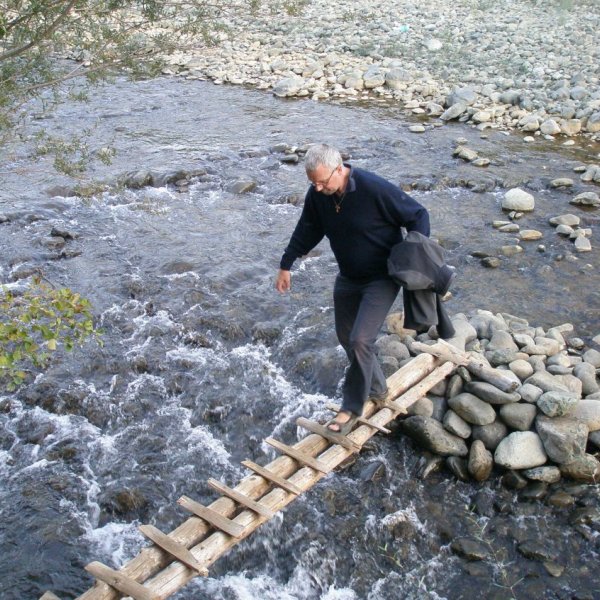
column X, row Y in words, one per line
column 173, row 559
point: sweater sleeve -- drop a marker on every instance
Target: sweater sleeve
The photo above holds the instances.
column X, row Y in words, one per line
column 407, row 212
column 307, row 234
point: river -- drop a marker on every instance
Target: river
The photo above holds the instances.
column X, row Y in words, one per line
column 202, row 359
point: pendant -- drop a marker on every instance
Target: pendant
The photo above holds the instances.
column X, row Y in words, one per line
column 337, row 208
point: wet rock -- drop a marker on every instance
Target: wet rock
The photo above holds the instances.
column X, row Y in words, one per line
column 429, row 433
column 586, row 199
column 490, row 393
column 472, row 409
column 470, row 549
column 454, row 386
column 582, row 468
column 480, row 462
column 374, row 471
column 241, row 186
column 536, row 490
column 458, row 466
column 514, row 480
column 428, row 465
column 556, row 404
column 491, row 262
column 518, row 416
column 456, row 425
column 588, row 515
column 554, row 568
column 267, row 333
column 594, row 438
column 544, row 474
column 423, row 406
column 563, row 438
column 588, row 412
column 491, row 435
column 560, row 499
column 176, row 267
column 536, row 550
column 125, row 502
column 137, row 179
column 520, row 450
column 518, row 199
column 288, row 86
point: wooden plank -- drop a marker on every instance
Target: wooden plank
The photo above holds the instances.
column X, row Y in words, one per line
column 298, row 455
column 242, row 499
column 212, row 517
column 270, row 476
column 175, row 549
column 323, row 431
column 49, row 596
column 124, row 584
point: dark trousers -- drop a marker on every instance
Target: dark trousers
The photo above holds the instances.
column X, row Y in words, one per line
column 360, row 310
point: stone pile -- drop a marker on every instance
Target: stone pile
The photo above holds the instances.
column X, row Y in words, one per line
column 548, row 428
column 526, row 66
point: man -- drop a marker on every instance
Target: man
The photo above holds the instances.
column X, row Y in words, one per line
column 362, row 215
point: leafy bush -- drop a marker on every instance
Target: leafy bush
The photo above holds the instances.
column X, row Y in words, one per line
column 36, row 323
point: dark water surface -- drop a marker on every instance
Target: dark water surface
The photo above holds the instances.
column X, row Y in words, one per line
column 203, row 359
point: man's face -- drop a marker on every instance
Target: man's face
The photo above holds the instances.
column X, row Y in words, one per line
column 325, row 180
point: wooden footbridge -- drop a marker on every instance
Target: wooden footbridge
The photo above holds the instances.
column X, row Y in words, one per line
column 173, row 559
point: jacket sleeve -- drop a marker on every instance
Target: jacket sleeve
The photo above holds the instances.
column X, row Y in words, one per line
column 307, row 234
column 406, row 211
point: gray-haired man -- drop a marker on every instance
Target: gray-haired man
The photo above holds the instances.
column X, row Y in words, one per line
column 362, row 215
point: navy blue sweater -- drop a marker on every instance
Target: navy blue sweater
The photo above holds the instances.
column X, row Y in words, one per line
column 363, row 232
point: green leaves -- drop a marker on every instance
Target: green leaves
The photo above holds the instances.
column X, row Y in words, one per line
column 37, row 323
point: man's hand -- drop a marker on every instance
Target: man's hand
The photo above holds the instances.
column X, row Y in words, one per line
column 283, row 283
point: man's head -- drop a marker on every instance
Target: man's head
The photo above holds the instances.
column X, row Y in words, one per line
column 324, row 168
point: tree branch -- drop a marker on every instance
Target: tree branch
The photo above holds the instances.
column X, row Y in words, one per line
column 46, row 33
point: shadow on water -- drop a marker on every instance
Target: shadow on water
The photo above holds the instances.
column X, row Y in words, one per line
column 203, row 360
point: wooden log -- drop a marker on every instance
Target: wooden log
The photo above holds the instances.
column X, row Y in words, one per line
column 175, row 549
column 49, row 596
column 445, row 351
column 151, row 565
column 323, row 431
column 119, row 581
column 241, row 499
column 270, row 476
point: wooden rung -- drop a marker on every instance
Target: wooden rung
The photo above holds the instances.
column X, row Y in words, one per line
column 242, row 499
column 120, row 582
column 212, row 516
column 301, row 457
column 270, row 476
column 333, row 407
column 333, row 436
column 393, row 407
column 373, row 425
column 175, row 549
column 49, row 596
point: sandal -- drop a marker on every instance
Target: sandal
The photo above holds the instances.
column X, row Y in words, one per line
column 344, row 428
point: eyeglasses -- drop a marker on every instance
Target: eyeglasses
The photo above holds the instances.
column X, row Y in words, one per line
column 324, row 183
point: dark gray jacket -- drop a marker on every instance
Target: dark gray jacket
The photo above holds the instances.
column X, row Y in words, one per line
column 418, row 265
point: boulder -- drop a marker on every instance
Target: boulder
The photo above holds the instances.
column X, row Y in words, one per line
column 472, row 409
column 556, row 404
column 518, row 199
column 588, row 412
column 519, row 416
column 583, row 468
column 430, row 434
column 520, row 450
column 480, row 461
column 545, row 474
column 490, row 393
column 456, row 425
column 563, row 438
column 491, row 435
column 546, row 382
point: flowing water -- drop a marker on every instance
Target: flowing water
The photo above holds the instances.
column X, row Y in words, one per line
column 202, row 359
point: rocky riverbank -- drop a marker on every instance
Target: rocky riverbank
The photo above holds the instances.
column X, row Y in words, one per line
column 531, row 66
column 543, row 426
